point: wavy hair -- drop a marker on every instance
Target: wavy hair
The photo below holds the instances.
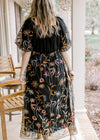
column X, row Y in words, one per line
column 45, row 14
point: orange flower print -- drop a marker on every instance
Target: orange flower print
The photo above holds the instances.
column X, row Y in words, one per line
column 34, row 118
column 43, row 111
column 41, row 80
column 58, row 116
column 41, row 68
column 71, row 117
column 48, row 123
column 40, row 130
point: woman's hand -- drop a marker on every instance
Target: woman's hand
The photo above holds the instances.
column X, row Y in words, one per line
column 22, row 79
column 71, row 75
column 65, row 56
column 25, row 59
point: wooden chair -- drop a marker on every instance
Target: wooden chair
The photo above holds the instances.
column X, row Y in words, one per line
column 10, row 103
column 7, row 69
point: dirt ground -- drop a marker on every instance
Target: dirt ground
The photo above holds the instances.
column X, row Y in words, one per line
column 92, row 104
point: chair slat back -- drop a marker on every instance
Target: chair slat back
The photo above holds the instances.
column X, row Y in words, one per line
column 6, row 64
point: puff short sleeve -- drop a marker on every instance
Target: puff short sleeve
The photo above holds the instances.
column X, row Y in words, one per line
column 24, row 37
column 65, row 37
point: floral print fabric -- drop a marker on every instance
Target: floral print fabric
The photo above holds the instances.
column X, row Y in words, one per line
column 48, row 100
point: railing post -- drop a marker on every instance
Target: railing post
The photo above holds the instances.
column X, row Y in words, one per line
column 78, row 53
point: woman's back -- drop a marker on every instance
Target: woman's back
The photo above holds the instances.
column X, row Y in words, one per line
column 29, row 40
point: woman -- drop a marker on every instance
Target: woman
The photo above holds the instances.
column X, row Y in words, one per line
column 44, row 39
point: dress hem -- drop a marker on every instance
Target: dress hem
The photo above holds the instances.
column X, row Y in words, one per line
column 28, row 134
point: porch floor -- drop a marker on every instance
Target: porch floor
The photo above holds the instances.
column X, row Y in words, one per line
column 84, row 127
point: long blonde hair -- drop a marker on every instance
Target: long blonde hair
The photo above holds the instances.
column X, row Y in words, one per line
column 44, row 12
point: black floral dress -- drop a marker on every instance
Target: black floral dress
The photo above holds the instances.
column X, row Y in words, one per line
column 48, row 106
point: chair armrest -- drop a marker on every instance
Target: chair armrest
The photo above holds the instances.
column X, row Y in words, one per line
column 8, row 81
column 21, row 92
column 18, row 67
column 7, row 72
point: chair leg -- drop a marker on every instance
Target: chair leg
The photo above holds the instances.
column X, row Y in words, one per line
column 0, row 92
column 10, row 114
column 22, row 87
column 3, row 121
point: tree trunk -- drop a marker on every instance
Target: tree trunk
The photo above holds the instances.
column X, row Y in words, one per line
column 93, row 29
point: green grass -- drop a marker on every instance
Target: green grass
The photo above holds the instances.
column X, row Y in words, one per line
column 94, row 42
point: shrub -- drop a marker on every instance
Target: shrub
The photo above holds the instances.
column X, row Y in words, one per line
column 92, row 74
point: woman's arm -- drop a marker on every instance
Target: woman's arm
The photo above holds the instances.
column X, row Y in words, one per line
column 65, row 56
column 25, row 59
column 66, row 59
